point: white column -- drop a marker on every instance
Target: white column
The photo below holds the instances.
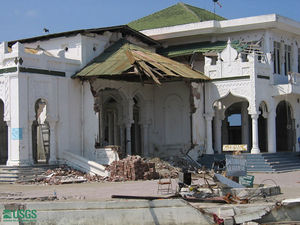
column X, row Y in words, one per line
column 255, row 147
column 245, row 124
column 145, row 140
column 209, row 148
column 30, row 147
column 272, row 131
column 53, row 155
column 121, row 127
column 225, row 131
column 115, row 129
column 128, row 138
column 8, row 143
column 218, row 134
column 101, row 124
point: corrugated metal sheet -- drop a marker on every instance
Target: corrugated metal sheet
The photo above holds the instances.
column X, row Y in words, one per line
column 124, row 56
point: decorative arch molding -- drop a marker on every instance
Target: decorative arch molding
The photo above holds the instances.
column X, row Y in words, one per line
column 264, row 107
column 225, row 105
column 222, row 89
column 43, row 89
column 98, row 85
column 290, row 106
column 141, row 103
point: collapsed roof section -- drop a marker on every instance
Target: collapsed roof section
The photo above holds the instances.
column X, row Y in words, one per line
column 175, row 15
column 126, row 61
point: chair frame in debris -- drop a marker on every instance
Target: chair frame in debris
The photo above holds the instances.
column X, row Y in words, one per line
column 164, row 184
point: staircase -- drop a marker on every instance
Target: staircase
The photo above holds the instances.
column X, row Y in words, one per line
column 264, row 162
column 11, row 174
column 273, row 162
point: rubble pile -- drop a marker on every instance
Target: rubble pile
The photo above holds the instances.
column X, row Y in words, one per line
column 132, row 168
column 164, row 168
column 66, row 175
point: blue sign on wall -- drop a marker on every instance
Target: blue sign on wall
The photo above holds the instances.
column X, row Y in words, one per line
column 16, row 134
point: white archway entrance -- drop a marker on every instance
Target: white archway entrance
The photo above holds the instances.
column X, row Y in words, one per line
column 285, row 128
column 40, row 133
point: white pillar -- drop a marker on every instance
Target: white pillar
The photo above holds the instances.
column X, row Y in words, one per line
column 145, row 140
column 255, row 147
column 128, row 138
column 218, row 134
column 8, row 143
column 245, row 124
column 209, row 148
column 272, row 131
column 53, row 155
column 30, row 147
column 121, row 127
column 225, row 131
column 101, row 125
column 115, row 128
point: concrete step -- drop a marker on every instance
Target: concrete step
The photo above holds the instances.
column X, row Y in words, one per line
column 265, row 162
column 11, row 174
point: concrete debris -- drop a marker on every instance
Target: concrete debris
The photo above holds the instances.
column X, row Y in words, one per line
column 29, row 198
column 165, row 168
column 64, row 175
column 250, row 216
column 225, row 182
column 132, row 168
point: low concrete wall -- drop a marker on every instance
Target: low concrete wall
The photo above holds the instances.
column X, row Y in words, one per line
column 116, row 212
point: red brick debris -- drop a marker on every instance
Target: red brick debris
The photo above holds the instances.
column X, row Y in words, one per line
column 132, row 168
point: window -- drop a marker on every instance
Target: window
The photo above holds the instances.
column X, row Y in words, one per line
column 276, row 57
column 298, row 60
column 287, row 57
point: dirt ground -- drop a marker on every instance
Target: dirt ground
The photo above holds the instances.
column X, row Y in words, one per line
column 289, row 183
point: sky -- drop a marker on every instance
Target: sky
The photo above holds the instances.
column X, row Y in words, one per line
column 27, row 18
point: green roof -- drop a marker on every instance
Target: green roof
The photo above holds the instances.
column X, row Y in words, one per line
column 203, row 47
column 126, row 61
column 175, row 15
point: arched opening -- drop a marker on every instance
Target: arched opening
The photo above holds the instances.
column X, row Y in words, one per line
column 136, row 145
column 110, row 123
column 263, row 128
column 234, row 118
column 231, row 123
column 40, row 133
column 285, row 128
column 3, row 136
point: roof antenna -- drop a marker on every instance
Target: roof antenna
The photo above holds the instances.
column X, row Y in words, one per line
column 216, row 1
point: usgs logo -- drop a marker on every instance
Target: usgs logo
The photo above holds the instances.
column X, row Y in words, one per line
column 19, row 215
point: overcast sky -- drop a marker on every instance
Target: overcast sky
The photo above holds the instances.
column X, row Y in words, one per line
column 27, row 18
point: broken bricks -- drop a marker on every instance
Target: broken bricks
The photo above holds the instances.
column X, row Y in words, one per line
column 132, row 168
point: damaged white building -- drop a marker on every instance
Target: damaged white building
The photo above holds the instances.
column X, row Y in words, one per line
column 173, row 86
